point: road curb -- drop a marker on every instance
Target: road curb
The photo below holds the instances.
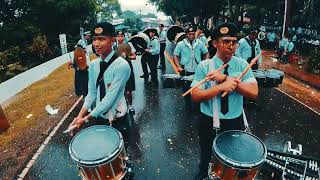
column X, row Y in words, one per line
column 298, row 101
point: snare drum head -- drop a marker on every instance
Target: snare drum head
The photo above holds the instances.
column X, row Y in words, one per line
column 95, row 145
column 239, row 149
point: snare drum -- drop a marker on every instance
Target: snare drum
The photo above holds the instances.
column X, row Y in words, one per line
column 99, row 153
column 172, row 81
column 273, row 79
column 280, row 73
column 237, row 156
column 260, row 77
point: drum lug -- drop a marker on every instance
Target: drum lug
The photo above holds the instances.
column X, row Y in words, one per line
column 211, row 174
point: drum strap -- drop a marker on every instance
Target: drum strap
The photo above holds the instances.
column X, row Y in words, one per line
column 252, row 44
column 215, row 113
column 100, row 81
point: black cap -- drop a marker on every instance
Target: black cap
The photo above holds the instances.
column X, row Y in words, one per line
column 252, row 30
column 190, row 29
column 201, row 28
column 225, row 30
column 103, row 29
column 120, row 33
column 161, row 25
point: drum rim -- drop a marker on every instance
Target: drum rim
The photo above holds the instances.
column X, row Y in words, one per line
column 240, row 165
column 99, row 161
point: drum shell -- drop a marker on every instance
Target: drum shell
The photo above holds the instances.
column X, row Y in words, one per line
column 260, row 77
column 272, row 79
column 179, row 37
column 225, row 172
column 173, row 31
column 280, row 73
column 140, row 42
column 80, row 58
column 112, row 164
column 229, row 161
column 116, row 166
column 172, row 81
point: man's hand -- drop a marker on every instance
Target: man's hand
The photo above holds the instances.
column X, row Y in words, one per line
column 230, row 84
column 78, row 121
column 216, row 76
column 179, row 68
column 69, row 64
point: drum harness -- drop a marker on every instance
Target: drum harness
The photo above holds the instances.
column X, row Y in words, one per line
column 216, row 120
column 100, row 82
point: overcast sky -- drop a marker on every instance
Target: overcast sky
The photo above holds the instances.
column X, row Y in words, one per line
column 137, row 5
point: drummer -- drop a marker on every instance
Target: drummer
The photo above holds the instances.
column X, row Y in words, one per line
column 201, row 36
column 228, row 110
column 108, row 75
column 249, row 47
column 120, row 39
column 151, row 58
column 187, row 54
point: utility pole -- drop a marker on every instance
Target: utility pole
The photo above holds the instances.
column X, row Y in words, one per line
column 286, row 17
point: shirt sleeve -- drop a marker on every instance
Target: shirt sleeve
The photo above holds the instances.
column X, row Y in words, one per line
column 155, row 47
column 133, row 50
column 249, row 76
column 177, row 50
column 119, row 81
column 199, row 75
column 92, row 90
column 239, row 50
column 258, row 52
column 204, row 49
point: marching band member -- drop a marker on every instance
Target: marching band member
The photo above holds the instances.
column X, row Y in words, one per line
column 249, row 47
column 228, row 110
column 120, row 39
column 108, row 76
column 152, row 57
column 201, row 36
column 162, row 39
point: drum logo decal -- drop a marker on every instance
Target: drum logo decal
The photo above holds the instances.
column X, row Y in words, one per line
column 224, row 30
column 98, row 30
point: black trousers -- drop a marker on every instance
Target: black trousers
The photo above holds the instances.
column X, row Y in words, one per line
column 152, row 61
column 207, row 135
column 81, row 82
column 162, row 59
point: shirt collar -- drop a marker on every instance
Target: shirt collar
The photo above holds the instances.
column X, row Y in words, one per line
column 109, row 56
column 232, row 63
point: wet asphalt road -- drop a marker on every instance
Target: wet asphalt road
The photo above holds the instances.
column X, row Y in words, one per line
column 163, row 142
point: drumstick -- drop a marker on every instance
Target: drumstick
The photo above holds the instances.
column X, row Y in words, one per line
column 71, row 128
column 254, row 60
column 203, row 81
column 171, row 62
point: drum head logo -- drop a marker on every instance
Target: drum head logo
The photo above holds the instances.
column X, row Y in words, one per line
column 224, row 30
column 98, row 30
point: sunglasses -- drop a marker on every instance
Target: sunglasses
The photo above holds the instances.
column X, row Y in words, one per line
column 229, row 43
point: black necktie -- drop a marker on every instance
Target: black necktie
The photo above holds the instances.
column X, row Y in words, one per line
column 103, row 67
column 224, row 100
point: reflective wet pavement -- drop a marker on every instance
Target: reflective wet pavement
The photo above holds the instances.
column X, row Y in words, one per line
column 163, row 142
